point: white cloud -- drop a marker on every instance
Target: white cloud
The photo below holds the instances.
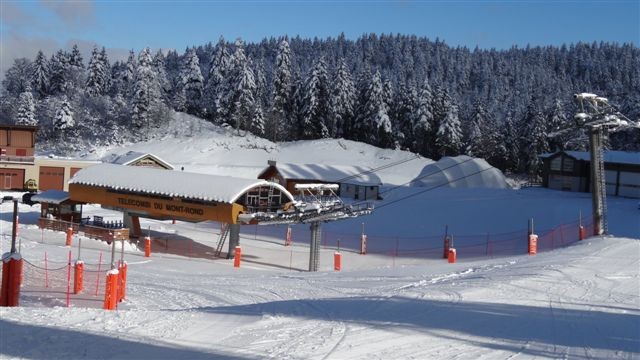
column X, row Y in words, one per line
column 74, row 14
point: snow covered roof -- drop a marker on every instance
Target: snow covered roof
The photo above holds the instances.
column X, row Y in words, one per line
column 610, row 156
column 51, row 197
column 357, row 175
column 169, row 183
column 133, row 156
column 461, row 172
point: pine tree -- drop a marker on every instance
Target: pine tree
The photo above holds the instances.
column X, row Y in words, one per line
column 315, row 113
column 534, row 137
column 64, row 117
column 424, row 121
column 40, row 75
column 76, row 68
column 281, row 117
column 257, row 123
column 26, row 110
column 449, row 135
column 97, row 73
column 214, row 92
column 164, row 84
column 146, row 90
column 127, row 76
column 192, row 81
column 343, row 101
column 375, row 127
column 509, row 148
column 240, row 101
column 60, row 79
column 557, row 121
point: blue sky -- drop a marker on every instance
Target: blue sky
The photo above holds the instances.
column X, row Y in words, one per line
column 122, row 25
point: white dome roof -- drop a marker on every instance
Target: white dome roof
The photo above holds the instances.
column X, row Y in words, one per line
column 461, row 172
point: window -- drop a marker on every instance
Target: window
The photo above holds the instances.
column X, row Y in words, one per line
column 567, row 165
column 556, row 163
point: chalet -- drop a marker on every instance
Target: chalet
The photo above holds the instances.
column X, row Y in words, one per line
column 571, row 171
column 134, row 158
column 357, row 182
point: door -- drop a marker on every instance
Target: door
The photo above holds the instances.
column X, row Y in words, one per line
column 11, row 179
column 51, row 178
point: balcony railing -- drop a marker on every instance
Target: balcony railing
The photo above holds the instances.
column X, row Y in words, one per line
column 17, row 159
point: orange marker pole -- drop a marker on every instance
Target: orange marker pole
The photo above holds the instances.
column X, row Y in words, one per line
column 147, row 246
column 533, row 244
column 337, row 261
column 452, row 256
column 78, row 277
column 111, row 290
column 236, row 259
column 69, row 236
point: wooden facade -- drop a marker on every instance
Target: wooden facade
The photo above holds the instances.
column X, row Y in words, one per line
column 17, row 142
column 564, row 171
column 156, row 206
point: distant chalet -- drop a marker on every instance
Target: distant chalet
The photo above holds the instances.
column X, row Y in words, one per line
column 356, row 182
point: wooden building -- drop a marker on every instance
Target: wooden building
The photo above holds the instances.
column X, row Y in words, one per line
column 571, row 171
column 134, row 158
column 17, row 148
column 355, row 182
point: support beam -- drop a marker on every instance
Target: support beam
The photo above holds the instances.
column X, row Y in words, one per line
column 234, row 240
column 597, row 191
column 314, row 254
column 132, row 222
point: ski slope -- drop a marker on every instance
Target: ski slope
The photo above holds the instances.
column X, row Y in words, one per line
column 577, row 302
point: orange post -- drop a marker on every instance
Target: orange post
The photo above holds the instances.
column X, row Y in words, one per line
column 236, row 259
column 363, row 244
column 582, row 233
column 78, row 277
column 69, row 236
column 122, row 278
column 533, row 244
column 11, row 274
column 337, row 261
column 147, row 246
column 451, row 256
column 111, row 290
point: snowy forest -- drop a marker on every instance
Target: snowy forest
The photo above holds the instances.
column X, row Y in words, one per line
column 392, row 91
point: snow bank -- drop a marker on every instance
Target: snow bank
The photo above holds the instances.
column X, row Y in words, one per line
column 461, row 172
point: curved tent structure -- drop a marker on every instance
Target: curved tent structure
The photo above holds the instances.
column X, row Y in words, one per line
column 461, row 172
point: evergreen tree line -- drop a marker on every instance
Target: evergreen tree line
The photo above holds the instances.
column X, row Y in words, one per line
column 391, row 91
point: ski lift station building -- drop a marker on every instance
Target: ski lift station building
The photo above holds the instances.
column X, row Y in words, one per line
column 161, row 194
column 571, row 171
column 357, row 182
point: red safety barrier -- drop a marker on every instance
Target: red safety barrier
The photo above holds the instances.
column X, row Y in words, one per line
column 238, row 255
column 69, row 236
column 122, row 278
column 337, row 261
column 11, row 274
column 111, row 290
column 452, row 256
column 533, row 244
column 147, row 246
column 78, row 277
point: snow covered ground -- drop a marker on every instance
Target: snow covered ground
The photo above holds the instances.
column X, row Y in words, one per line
column 580, row 301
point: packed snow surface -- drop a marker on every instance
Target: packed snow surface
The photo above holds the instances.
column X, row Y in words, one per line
column 579, row 301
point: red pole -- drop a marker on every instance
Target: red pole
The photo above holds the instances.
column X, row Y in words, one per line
column 69, row 280
column 69, row 236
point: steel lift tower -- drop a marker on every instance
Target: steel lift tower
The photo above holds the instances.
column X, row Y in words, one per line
column 596, row 116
